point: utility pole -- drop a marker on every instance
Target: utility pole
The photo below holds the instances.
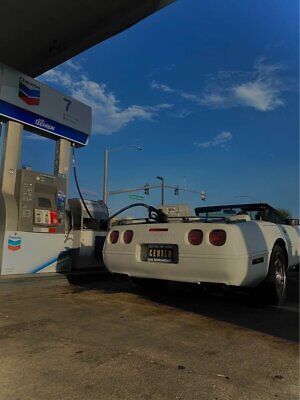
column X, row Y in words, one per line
column 162, row 189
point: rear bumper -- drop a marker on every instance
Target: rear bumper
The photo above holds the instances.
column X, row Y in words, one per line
column 236, row 271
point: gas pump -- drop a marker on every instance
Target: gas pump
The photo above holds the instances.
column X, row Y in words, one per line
column 87, row 233
column 33, row 204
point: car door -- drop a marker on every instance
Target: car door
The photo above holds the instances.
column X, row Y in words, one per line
column 292, row 237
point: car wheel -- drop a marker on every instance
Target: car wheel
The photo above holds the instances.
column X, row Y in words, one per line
column 76, row 279
column 273, row 288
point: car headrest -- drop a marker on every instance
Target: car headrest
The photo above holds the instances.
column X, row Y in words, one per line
column 241, row 217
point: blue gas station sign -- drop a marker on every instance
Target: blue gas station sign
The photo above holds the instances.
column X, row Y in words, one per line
column 43, row 109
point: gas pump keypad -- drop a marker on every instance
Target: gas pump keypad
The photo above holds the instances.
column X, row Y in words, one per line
column 45, row 217
column 27, row 192
column 41, row 217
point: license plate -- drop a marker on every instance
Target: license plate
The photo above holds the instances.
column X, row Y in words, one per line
column 163, row 253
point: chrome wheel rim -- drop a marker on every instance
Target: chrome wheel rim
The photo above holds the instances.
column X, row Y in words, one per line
column 280, row 273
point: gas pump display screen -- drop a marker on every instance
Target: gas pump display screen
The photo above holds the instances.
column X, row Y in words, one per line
column 43, row 202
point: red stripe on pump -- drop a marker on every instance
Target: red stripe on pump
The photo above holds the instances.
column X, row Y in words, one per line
column 158, row 230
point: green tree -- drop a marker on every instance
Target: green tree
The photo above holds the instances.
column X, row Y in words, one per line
column 285, row 213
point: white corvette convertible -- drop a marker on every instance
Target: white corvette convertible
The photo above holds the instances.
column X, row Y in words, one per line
column 248, row 245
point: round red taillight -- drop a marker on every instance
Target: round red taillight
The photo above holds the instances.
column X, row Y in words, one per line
column 195, row 237
column 217, row 237
column 128, row 235
column 114, row 236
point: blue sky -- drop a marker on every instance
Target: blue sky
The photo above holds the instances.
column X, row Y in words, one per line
column 209, row 89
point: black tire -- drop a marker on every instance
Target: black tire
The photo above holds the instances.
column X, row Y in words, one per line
column 149, row 284
column 81, row 278
column 76, row 279
column 273, row 289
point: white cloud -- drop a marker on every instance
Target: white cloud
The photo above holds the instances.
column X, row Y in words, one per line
column 182, row 114
column 260, row 88
column 263, row 96
column 108, row 115
column 168, row 67
column 73, row 65
column 188, row 96
column 265, row 70
column 212, row 99
column 219, row 140
column 58, row 77
column 161, row 86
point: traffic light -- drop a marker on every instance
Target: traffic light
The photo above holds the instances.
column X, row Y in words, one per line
column 176, row 191
column 146, row 188
column 203, row 196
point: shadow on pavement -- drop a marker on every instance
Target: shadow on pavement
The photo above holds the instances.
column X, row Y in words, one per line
column 234, row 307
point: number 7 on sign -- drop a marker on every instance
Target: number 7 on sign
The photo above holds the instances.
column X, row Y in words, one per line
column 68, row 103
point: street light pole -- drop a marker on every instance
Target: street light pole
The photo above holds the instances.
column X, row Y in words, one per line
column 162, row 189
column 105, row 173
column 105, row 176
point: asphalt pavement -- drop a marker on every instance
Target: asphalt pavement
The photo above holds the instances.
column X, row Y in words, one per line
column 112, row 340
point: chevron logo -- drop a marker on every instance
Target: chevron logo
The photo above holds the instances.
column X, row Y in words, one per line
column 14, row 243
column 29, row 92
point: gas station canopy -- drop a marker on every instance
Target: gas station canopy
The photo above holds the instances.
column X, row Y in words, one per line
column 38, row 35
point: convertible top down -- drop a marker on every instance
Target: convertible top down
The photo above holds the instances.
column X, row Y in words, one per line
column 248, row 245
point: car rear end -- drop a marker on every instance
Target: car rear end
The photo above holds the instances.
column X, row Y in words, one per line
column 214, row 252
